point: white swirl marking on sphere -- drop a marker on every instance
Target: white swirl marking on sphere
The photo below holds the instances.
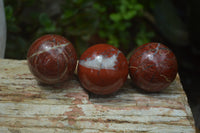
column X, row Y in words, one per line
column 48, row 48
column 100, row 62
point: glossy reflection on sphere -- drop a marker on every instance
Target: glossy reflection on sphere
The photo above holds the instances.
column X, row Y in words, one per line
column 102, row 69
column 153, row 67
column 52, row 59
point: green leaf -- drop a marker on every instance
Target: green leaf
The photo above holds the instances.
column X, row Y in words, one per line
column 44, row 19
column 115, row 17
column 138, row 7
column 102, row 34
column 78, row 1
column 143, row 36
column 99, row 8
column 9, row 14
column 112, row 40
column 130, row 14
column 67, row 14
column 47, row 23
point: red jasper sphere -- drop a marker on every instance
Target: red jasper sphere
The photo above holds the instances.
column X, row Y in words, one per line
column 102, row 69
column 51, row 59
column 153, row 67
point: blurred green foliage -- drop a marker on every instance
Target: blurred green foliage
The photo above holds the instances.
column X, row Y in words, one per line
column 84, row 22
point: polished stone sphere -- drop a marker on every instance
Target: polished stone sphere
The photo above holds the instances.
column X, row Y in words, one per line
column 102, row 69
column 153, row 67
column 52, row 59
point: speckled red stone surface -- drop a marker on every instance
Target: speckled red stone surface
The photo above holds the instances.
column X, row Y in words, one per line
column 51, row 59
column 102, row 69
column 153, row 67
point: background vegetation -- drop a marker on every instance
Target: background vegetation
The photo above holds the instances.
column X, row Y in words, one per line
column 84, row 22
column 125, row 24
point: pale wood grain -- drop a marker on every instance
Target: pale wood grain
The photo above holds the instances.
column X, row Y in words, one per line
column 27, row 106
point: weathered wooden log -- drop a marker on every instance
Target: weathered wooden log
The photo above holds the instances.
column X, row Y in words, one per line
column 27, row 106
